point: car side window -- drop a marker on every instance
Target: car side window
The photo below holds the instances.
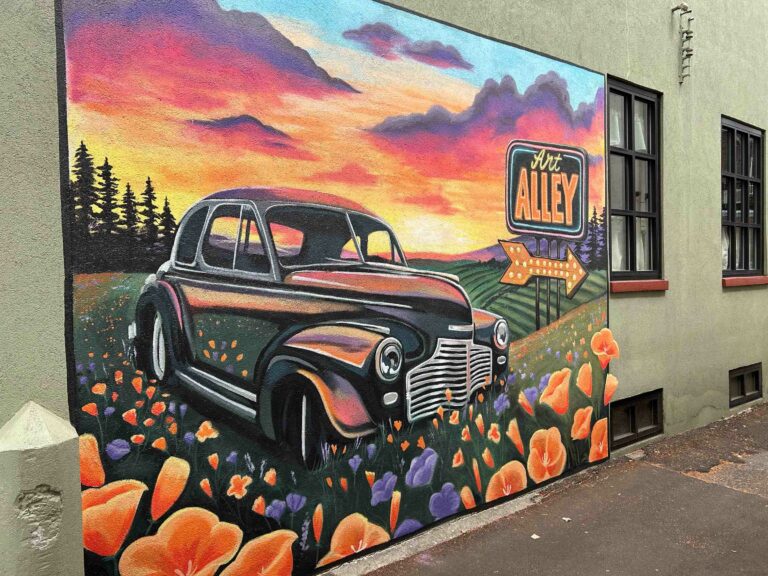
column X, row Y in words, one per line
column 251, row 256
column 220, row 241
column 186, row 244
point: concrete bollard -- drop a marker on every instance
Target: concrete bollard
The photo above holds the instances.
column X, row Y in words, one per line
column 40, row 512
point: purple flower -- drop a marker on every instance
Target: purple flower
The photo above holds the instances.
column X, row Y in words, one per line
column 557, row 354
column 549, row 350
column 422, row 468
column 118, row 448
column 501, row 404
column 355, row 462
column 371, row 450
column 444, row 503
column 109, row 410
column 408, row 526
column 189, row 438
column 183, row 410
column 232, row 458
column 275, row 510
column 575, row 356
column 223, row 345
column 172, row 407
column 92, row 366
column 382, row 488
column 215, row 355
column 83, row 380
column 511, row 378
column 295, row 502
column 531, row 394
column 79, row 367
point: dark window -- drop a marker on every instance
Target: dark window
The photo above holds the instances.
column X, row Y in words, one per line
column 636, row 418
column 186, row 243
column 745, row 384
column 741, row 192
column 221, row 240
column 633, row 181
column 251, row 256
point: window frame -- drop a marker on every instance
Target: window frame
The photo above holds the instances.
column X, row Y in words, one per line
column 632, row 402
column 737, row 127
column 757, row 370
column 631, row 94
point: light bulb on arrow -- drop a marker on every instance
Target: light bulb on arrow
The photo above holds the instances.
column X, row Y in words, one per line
column 523, row 267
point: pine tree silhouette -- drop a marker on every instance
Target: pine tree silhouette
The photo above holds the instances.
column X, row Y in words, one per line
column 594, row 240
column 149, row 214
column 130, row 219
column 602, row 240
column 107, row 199
column 167, row 227
column 83, row 190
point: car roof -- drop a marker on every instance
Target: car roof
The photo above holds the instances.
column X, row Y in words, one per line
column 266, row 197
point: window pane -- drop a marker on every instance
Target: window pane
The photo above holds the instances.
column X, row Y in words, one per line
column 738, row 202
column 641, row 124
column 219, row 245
column 726, row 245
column 186, row 249
column 725, row 195
column 621, row 423
column 738, row 246
column 751, row 384
column 617, row 122
column 618, row 176
column 646, row 415
column 740, row 150
column 619, row 244
column 251, row 256
column 753, row 157
column 726, row 146
column 752, row 192
column 752, row 248
column 642, row 186
column 288, row 240
column 735, row 386
column 643, row 240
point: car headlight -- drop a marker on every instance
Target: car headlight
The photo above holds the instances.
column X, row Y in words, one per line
column 501, row 334
column 389, row 359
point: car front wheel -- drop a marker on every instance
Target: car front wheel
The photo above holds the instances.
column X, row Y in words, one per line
column 306, row 426
column 158, row 364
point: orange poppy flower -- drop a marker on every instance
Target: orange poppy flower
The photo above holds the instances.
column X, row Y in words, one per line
column 467, row 498
column 398, row 424
column 584, row 379
column 389, row 438
column 454, row 418
column 158, row 408
column 213, row 460
column 223, row 357
column 465, row 435
column 471, row 411
column 546, row 455
column 91, row 409
column 317, row 522
column 206, row 354
column 480, row 424
column 115, row 396
column 160, row 444
column 108, row 513
column 239, row 357
column 139, row 403
column 148, row 422
column 353, row 534
column 582, row 421
column 205, row 486
column 394, row 510
column 130, row 416
column 212, row 344
column 555, row 395
column 448, row 394
column 238, row 486
column 404, row 445
column 99, row 388
column 599, row 448
column 513, row 433
column 91, row 468
column 371, row 477
column 259, row 505
column 267, row 555
column 329, row 481
column 169, row 419
column 137, row 384
column 509, row 479
column 569, row 356
column 138, row 438
column 206, row 431
column 458, row 458
column 604, row 346
column 488, row 458
column 334, row 448
column 343, row 483
column 150, row 391
column 420, row 443
column 435, row 423
column 270, row 477
column 173, row 428
column 169, row 485
column 481, row 398
column 476, row 472
column 611, row 383
column 440, row 411
column 493, row 433
column 190, row 541
column 524, row 404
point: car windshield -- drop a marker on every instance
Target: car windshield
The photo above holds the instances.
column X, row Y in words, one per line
column 311, row 236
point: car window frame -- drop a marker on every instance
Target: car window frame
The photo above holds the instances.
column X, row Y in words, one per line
column 182, row 226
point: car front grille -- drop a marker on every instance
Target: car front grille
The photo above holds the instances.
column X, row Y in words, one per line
column 457, row 365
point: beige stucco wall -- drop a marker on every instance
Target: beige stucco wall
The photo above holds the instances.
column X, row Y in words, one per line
column 31, row 255
column 686, row 339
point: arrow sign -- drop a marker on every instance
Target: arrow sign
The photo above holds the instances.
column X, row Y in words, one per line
column 523, row 267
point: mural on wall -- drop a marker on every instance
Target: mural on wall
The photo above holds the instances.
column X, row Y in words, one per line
column 339, row 273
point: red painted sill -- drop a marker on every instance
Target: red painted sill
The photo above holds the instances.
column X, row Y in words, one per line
column 619, row 286
column 732, row 281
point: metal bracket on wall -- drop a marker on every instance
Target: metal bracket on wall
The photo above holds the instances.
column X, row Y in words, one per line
column 686, row 37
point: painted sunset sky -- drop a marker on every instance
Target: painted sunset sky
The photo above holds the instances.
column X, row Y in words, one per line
column 406, row 116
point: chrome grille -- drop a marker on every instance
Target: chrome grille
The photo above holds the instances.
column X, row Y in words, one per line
column 457, row 365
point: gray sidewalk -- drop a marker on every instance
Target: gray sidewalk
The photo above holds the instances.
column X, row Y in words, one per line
column 692, row 504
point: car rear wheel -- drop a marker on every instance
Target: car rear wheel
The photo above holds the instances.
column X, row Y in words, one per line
column 159, row 364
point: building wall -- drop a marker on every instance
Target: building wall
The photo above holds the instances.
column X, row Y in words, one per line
column 686, row 339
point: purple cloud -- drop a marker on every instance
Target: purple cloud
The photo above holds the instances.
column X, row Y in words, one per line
column 385, row 41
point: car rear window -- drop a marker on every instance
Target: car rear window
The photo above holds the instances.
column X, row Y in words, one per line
column 189, row 236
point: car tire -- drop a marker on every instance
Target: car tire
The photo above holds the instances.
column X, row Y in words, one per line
column 158, row 354
column 305, row 426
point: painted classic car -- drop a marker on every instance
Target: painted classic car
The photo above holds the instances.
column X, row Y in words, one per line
column 299, row 313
